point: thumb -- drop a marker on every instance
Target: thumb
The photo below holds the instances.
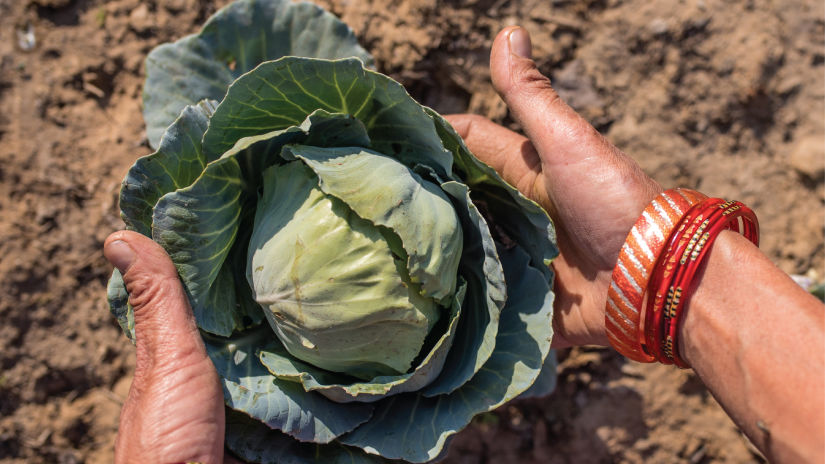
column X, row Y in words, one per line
column 597, row 191
column 165, row 328
column 559, row 133
column 174, row 411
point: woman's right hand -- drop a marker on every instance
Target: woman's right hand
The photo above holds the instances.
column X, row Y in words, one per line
column 747, row 330
column 593, row 191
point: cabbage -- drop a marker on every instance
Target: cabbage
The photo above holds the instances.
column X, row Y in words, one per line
column 364, row 285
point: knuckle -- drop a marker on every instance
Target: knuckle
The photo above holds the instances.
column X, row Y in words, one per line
column 529, row 79
column 527, row 83
column 145, row 289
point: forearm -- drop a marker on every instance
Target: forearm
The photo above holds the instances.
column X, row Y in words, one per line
column 757, row 340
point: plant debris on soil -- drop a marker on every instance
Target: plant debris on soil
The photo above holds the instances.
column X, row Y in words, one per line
column 725, row 97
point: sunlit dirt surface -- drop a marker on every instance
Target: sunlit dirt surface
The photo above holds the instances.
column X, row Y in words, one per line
column 722, row 96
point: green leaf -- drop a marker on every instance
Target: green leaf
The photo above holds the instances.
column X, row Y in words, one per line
column 416, row 429
column 281, row 93
column 546, row 381
column 320, row 128
column 119, row 304
column 249, row 312
column 389, row 194
column 329, row 283
column 235, row 40
column 196, row 225
column 176, row 164
column 282, row 405
column 486, row 294
column 253, row 441
column 521, row 219
column 282, row 365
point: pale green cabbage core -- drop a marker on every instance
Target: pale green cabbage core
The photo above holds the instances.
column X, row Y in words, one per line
column 334, row 286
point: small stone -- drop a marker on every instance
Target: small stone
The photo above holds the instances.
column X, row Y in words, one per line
column 808, row 157
column 26, row 39
column 140, row 19
column 658, row 26
column 789, row 84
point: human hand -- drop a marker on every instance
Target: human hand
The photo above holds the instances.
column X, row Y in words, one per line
column 593, row 191
column 174, row 412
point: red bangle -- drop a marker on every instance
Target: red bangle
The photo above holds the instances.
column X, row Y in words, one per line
column 675, row 273
column 657, row 269
column 636, row 261
column 663, row 274
column 731, row 215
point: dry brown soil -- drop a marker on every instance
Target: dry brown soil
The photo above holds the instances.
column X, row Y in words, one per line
column 724, row 96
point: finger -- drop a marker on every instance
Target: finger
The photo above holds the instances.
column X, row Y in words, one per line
column 510, row 154
column 164, row 324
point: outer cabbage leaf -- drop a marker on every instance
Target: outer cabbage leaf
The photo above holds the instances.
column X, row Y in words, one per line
column 119, row 304
column 281, row 93
column 416, row 429
column 546, row 381
column 253, row 441
column 523, row 220
column 177, row 162
column 283, row 405
column 486, row 293
column 233, row 41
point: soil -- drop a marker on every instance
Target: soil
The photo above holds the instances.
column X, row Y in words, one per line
column 724, row 96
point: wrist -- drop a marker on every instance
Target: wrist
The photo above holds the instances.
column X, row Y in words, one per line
column 748, row 333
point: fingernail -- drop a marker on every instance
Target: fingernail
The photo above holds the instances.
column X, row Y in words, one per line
column 520, row 43
column 120, row 254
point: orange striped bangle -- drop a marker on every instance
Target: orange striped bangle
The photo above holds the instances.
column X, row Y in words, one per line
column 637, row 257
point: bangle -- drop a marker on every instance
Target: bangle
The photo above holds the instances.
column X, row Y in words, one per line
column 662, row 296
column 657, row 270
column 731, row 215
column 637, row 258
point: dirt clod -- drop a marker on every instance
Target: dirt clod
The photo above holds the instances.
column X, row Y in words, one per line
column 808, row 157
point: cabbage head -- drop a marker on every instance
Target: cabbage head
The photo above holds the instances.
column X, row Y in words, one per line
column 364, row 285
